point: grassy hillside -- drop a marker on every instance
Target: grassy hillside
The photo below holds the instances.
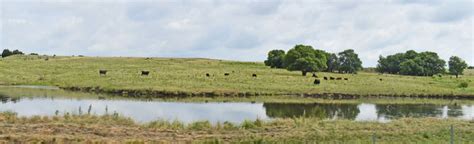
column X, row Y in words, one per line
column 188, row 76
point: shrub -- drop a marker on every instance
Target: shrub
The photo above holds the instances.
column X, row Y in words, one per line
column 200, row 125
column 463, row 85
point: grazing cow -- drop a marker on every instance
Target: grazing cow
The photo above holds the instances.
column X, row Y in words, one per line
column 381, row 79
column 226, row 74
column 346, row 78
column 332, row 78
column 314, row 75
column 208, row 75
column 339, row 78
column 325, row 78
column 145, row 73
column 317, row 81
column 102, row 72
column 254, row 75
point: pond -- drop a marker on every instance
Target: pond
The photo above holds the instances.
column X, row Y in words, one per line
column 48, row 102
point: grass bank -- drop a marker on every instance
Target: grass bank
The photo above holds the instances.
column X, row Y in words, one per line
column 187, row 77
column 113, row 128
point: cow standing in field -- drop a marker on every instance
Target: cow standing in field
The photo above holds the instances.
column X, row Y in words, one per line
column 325, row 78
column 332, row 78
column 314, row 75
column 317, row 82
column 254, row 75
column 226, row 74
column 145, row 73
column 339, row 78
column 208, row 75
column 346, row 78
column 102, row 72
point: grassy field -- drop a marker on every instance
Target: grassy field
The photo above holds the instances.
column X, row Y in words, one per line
column 113, row 128
column 188, row 77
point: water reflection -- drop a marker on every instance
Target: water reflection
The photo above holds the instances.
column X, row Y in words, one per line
column 40, row 101
column 368, row 112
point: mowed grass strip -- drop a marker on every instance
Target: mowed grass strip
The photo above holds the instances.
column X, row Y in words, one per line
column 188, row 75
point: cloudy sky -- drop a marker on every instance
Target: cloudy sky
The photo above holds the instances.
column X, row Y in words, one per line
column 237, row 29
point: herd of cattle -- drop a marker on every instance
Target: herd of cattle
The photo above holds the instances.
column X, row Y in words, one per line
column 146, row 73
column 317, row 81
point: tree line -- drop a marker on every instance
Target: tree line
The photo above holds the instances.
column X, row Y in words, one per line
column 7, row 52
column 419, row 64
column 306, row 59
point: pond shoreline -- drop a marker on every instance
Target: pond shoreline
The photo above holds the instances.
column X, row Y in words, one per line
column 182, row 94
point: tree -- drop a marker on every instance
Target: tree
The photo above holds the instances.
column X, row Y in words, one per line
column 6, row 53
column 332, row 62
column 275, row 58
column 425, row 63
column 431, row 63
column 456, row 66
column 410, row 67
column 17, row 52
column 305, row 59
column 349, row 62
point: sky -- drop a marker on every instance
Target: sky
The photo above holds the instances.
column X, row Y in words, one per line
column 243, row 30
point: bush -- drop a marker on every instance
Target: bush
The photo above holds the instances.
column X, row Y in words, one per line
column 463, row 85
column 200, row 125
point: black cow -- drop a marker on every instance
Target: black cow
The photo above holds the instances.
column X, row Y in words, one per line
column 317, row 82
column 332, row 78
column 381, row 79
column 254, row 75
column 314, row 75
column 325, row 78
column 102, row 72
column 208, row 75
column 346, row 78
column 145, row 73
column 339, row 78
column 226, row 74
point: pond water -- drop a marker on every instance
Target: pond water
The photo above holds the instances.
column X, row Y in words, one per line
column 48, row 102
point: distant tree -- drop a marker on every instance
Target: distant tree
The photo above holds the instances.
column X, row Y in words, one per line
column 349, row 62
column 390, row 64
column 275, row 58
column 429, row 62
column 456, row 66
column 6, row 53
column 332, row 62
column 305, row 59
column 17, row 52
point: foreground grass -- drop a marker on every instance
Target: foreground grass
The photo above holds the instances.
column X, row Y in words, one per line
column 110, row 128
column 187, row 77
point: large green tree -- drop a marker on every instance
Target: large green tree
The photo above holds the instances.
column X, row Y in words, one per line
column 275, row 58
column 349, row 62
column 305, row 59
column 456, row 66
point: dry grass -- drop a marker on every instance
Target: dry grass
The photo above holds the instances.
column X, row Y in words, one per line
column 87, row 128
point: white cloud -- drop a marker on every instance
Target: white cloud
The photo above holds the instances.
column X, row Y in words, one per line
column 237, row 30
